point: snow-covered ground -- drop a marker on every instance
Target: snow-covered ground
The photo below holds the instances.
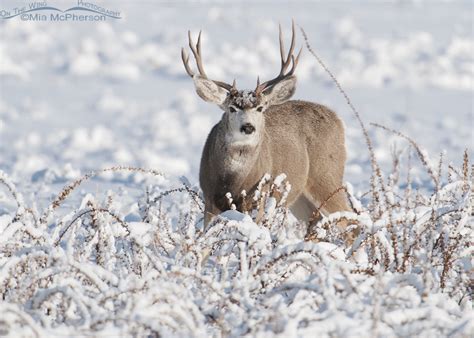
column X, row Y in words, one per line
column 76, row 97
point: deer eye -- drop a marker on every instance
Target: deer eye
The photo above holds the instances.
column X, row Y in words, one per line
column 259, row 109
column 232, row 109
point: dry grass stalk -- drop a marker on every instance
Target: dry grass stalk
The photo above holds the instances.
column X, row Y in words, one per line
column 376, row 172
column 67, row 190
column 421, row 154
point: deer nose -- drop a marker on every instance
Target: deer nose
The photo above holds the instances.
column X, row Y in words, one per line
column 247, row 129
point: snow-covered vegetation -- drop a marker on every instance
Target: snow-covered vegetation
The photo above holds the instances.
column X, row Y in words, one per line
column 122, row 251
column 155, row 270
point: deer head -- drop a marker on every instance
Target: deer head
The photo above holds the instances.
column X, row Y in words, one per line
column 243, row 109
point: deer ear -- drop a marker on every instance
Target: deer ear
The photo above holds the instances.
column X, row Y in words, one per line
column 282, row 91
column 209, row 91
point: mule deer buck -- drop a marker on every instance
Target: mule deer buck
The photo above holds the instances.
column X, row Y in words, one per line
column 261, row 132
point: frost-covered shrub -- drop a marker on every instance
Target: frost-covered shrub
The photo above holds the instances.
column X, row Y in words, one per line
column 155, row 270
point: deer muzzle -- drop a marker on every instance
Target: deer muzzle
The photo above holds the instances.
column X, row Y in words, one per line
column 247, row 129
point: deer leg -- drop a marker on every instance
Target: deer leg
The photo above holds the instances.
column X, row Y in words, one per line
column 303, row 208
column 337, row 202
column 323, row 190
column 207, row 218
column 210, row 211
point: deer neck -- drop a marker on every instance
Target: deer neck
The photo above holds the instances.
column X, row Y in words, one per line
column 238, row 161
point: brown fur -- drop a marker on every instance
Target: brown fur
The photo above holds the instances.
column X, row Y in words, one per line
column 304, row 140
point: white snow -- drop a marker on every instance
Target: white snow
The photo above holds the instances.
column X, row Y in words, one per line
column 125, row 252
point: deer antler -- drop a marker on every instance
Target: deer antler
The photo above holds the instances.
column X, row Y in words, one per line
column 197, row 55
column 285, row 62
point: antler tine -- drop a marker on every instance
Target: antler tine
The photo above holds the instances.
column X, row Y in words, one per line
column 282, row 45
column 295, row 61
column 285, row 60
column 185, row 58
column 292, row 45
column 199, row 63
column 197, row 53
column 196, row 50
column 258, row 88
column 198, row 44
